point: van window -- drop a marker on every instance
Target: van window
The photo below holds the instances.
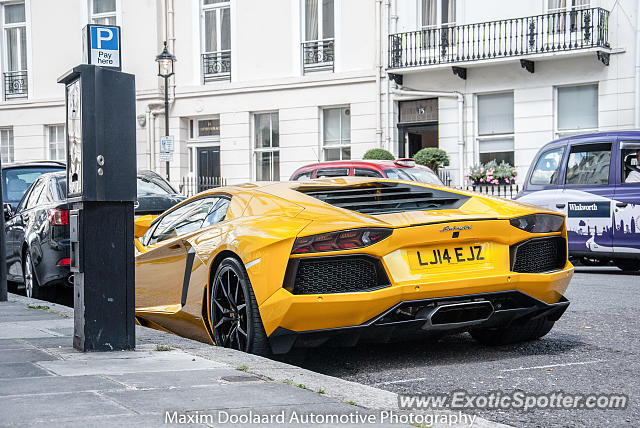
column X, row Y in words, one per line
column 589, row 164
column 547, row 167
column 630, row 157
column 332, row 172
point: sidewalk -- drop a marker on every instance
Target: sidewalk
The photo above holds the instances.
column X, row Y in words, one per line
column 168, row 379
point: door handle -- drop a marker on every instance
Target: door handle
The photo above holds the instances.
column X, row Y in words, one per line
column 560, row 206
column 621, row 204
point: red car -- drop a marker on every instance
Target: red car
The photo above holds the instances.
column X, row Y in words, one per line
column 401, row 169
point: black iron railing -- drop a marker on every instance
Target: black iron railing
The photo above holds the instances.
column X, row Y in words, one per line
column 508, row 191
column 317, row 55
column 15, row 84
column 192, row 185
column 551, row 32
column 216, row 66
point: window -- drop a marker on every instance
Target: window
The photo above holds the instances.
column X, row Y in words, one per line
column 336, row 135
column 495, row 127
column 318, row 20
column 266, row 149
column 183, row 220
column 589, row 164
column 6, row 144
column 303, row 176
column 34, row 196
column 332, row 172
column 630, row 159
column 103, row 12
column 413, row 174
column 438, row 13
column 56, row 142
column 15, row 50
column 366, row 172
column 547, row 168
column 563, row 8
column 216, row 39
column 317, row 48
column 218, row 213
column 577, row 109
column 204, row 128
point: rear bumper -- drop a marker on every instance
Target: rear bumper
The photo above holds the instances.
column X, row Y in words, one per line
column 427, row 317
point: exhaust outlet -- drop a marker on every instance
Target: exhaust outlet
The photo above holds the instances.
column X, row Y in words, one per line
column 459, row 314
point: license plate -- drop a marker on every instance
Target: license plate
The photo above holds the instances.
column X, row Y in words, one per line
column 439, row 257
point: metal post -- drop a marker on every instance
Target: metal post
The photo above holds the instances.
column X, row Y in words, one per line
column 3, row 243
column 166, row 115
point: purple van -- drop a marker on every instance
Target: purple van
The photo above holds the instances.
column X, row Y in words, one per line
column 595, row 180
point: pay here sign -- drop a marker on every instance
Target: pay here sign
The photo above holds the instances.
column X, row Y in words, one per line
column 103, row 45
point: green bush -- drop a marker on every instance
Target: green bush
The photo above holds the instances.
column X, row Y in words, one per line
column 432, row 157
column 378, row 154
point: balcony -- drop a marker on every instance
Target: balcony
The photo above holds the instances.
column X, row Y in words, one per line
column 216, row 66
column 317, row 55
column 15, row 84
column 530, row 37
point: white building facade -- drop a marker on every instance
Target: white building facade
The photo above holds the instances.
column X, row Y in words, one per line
column 264, row 87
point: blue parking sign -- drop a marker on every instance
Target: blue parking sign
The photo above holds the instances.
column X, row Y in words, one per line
column 104, row 45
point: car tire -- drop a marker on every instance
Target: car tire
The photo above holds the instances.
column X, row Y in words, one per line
column 531, row 330
column 628, row 265
column 31, row 286
column 235, row 318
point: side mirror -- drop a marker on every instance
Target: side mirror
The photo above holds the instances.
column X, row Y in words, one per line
column 8, row 211
column 142, row 224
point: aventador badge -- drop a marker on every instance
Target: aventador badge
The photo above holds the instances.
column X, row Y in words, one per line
column 449, row 228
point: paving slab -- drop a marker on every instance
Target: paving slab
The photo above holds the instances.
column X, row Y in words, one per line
column 108, row 363
column 220, row 396
column 18, row 370
column 56, row 384
column 50, row 407
column 89, row 421
column 6, row 344
column 169, row 379
column 25, row 355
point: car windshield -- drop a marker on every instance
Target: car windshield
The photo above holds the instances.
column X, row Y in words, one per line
column 150, row 185
column 16, row 181
column 413, row 174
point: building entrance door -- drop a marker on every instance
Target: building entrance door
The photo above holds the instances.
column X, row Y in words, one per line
column 417, row 126
column 208, row 168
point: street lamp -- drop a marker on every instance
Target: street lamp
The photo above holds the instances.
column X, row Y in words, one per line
column 165, row 70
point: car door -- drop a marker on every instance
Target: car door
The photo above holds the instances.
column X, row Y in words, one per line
column 22, row 221
column 160, row 270
column 588, row 195
column 626, row 233
column 14, row 270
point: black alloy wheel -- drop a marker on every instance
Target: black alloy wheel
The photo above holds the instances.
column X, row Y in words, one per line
column 235, row 318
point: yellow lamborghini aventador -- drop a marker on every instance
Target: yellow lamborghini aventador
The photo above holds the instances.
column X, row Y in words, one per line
column 267, row 267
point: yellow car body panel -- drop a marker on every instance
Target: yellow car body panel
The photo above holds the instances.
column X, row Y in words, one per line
column 262, row 223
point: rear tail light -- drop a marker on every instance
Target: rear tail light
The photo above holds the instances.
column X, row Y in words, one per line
column 64, row 262
column 341, row 240
column 538, row 223
column 59, row 217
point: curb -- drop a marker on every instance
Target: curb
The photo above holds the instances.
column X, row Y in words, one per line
column 363, row 395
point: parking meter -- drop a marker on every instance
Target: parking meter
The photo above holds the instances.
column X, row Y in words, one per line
column 101, row 186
